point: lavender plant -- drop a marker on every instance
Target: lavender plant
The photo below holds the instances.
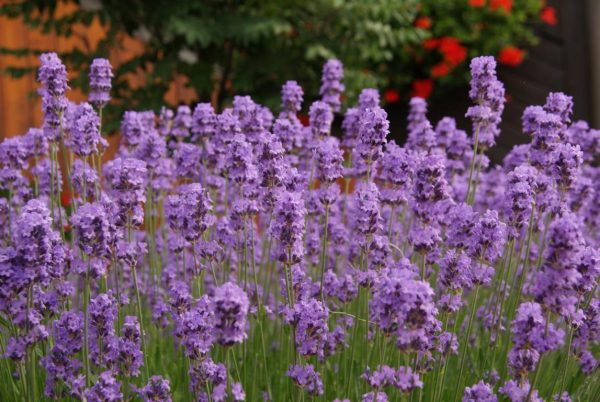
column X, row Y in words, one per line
column 236, row 256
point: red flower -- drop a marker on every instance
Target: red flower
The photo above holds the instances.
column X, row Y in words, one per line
column 431, row 43
column 511, row 56
column 505, row 5
column 65, row 199
column 391, row 96
column 548, row 15
column 454, row 53
column 477, row 3
column 440, row 70
column 422, row 88
column 303, row 119
column 423, row 22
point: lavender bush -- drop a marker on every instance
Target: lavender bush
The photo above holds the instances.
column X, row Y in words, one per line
column 243, row 256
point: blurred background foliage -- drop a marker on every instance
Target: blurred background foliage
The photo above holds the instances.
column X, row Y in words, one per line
column 226, row 47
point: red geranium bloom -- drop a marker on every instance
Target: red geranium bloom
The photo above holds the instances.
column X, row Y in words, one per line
column 431, row 43
column 391, row 95
column 423, row 22
column 477, row 3
column 548, row 15
column 454, row 53
column 440, row 70
column 422, row 88
column 511, row 56
column 65, row 199
column 303, row 119
column 506, row 5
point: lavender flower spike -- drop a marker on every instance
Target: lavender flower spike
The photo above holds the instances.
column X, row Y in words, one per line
column 331, row 84
column 100, row 82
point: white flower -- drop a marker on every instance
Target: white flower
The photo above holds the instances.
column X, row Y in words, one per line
column 187, row 56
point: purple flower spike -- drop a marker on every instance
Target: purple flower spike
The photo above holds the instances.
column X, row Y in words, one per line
column 132, row 128
column 106, row 389
column 488, row 237
column 287, row 226
column 53, row 75
column 188, row 160
column 182, row 122
column 397, row 168
column 329, row 160
column 560, row 105
column 35, row 142
column 239, row 161
column 373, row 130
column 127, row 178
column 165, row 121
column 33, row 239
column 368, row 217
column 517, row 392
column 157, row 389
column 403, row 306
column 196, row 328
column 480, row 392
column 151, row 149
column 331, row 84
column 204, row 122
column 291, row 97
column 13, row 153
column 310, row 321
column 238, row 392
column 307, row 378
column 231, row 312
column 91, row 227
column 430, row 188
column 103, row 313
column 531, row 337
column 100, row 82
column 321, row 117
column 417, row 113
column 85, row 131
column 488, row 95
column 368, row 99
column 189, row 211
column 404, row 379
column 565, row 162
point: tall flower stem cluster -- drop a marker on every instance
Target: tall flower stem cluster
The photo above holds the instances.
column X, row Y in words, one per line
column 240, row 255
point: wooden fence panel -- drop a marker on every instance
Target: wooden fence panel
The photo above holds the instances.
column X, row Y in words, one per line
column 20, row 106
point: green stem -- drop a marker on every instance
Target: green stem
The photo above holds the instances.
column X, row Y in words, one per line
column 86, row 324
column 503, row 286
column 259, row 316
column 141, row 320
column 324, row 252
column 466, row 341
column 526, row 264
column 475, row 147
column 472, row 197
column 567, row 361
column 31, row 352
